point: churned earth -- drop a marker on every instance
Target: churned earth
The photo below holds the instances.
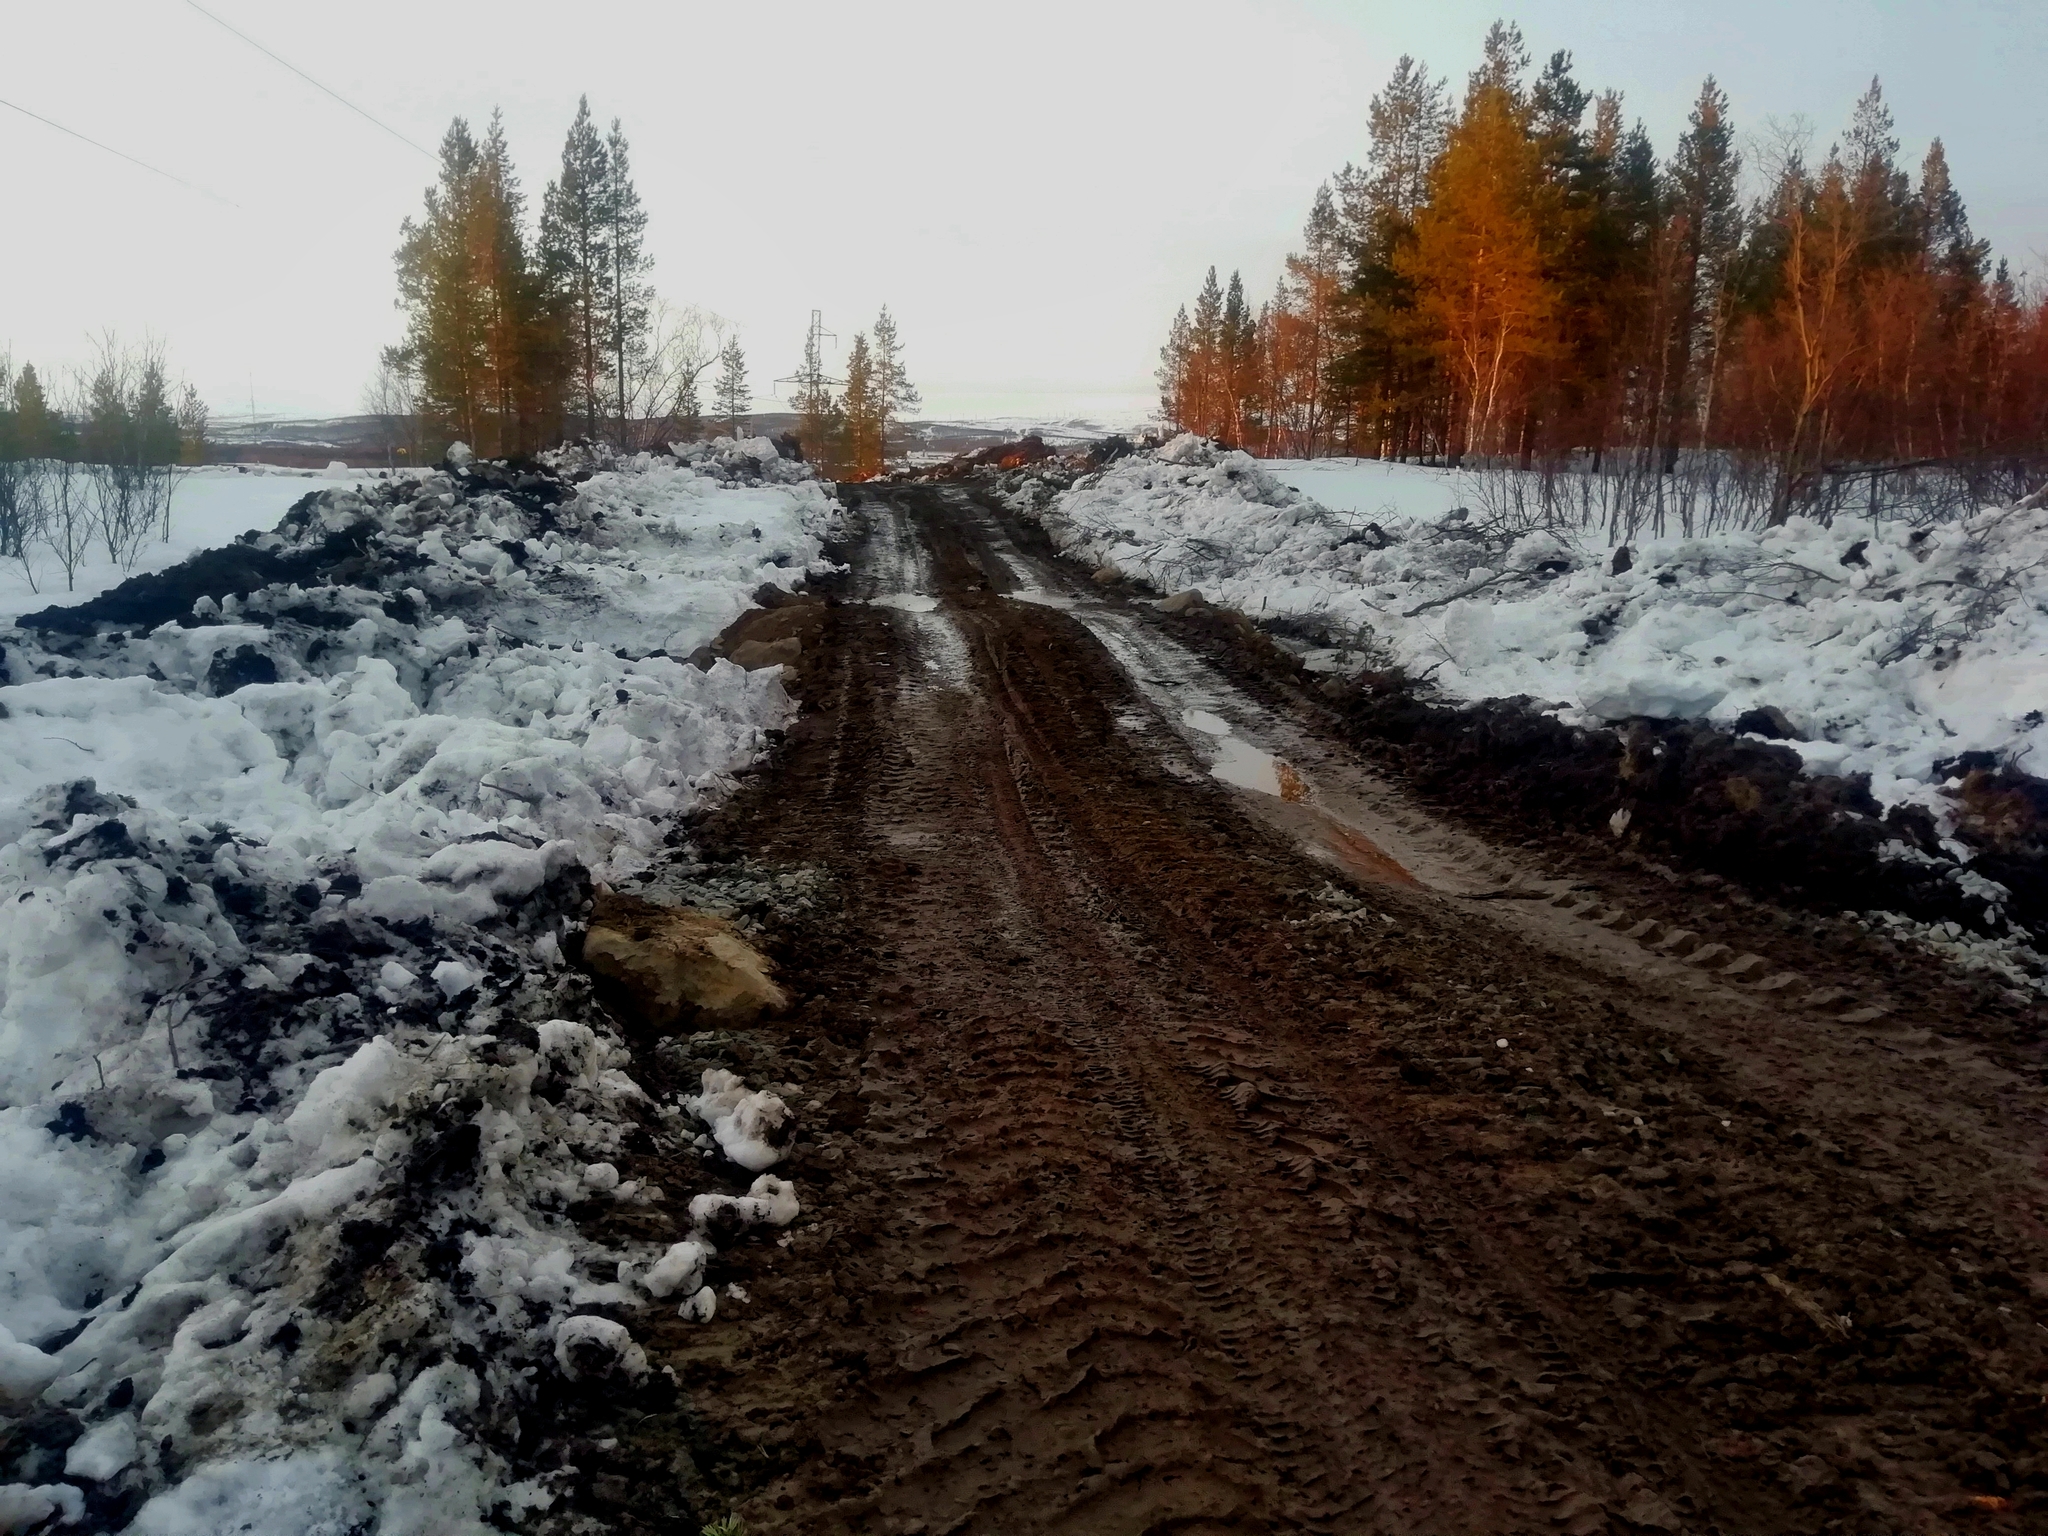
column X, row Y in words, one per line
column 1207, row 1134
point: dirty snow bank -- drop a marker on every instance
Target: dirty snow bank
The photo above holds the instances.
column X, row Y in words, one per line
column 292, row 1094
column 1890, row 649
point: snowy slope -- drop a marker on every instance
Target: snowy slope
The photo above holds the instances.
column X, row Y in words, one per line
column 1891, row 649
column 211, row 505
column 284, row 875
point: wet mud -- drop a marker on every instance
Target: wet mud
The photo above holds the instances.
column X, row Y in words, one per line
column 1162, row 1172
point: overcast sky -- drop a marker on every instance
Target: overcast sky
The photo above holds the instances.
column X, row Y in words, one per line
column 1032, row 188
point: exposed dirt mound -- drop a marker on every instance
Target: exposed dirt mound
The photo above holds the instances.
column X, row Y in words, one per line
column 1684, row 792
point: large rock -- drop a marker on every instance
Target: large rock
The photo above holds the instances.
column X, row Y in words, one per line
column 676, row 966
column 1180, row 602
column 756, row 654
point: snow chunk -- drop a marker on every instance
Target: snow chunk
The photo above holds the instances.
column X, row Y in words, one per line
column 700, row 1308
column 752, row 1129
column 23, row 1508
column 770, row 1202
column 24, row 1369
column 680, row 1269
column 1657, row 693
column 106, row 1450
column 315, row 1493
column 596, row 1349
column 454, row 978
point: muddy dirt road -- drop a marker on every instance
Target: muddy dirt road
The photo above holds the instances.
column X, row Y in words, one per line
column 1231, row 1145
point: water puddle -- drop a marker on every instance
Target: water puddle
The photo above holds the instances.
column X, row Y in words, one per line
column 1247, row 767
column 1043, row 599
column 1239, row 762
column 906, row 602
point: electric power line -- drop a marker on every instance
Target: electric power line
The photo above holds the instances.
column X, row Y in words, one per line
column 286, row 63
column 120, row 154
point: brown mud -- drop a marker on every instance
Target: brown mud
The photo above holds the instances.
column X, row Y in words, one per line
column 1167, row 1171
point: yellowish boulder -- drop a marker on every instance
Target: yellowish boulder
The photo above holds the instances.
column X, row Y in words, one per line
column 677, row 966
column 756, row 654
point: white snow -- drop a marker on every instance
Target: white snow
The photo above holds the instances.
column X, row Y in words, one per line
column 24, row 1507
column 106, row 1450
column 680, row 1269
column 211, row 505
column 220, row 1066
column 1935, row 644
column 747, row 1126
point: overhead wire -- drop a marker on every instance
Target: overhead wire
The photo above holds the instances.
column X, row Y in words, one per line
column 120, row 154
column 288, row 64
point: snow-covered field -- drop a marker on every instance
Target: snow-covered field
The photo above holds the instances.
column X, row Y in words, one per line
column 211, row 506
column 283, row 884
column 1889, row 648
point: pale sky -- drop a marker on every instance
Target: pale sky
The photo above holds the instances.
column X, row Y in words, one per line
column 1031, row 188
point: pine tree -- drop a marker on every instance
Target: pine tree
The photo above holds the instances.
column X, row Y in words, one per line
column 732, row 399
column 1386, row 374
column 192, row 416
column 575, row 255
column 1945, row 226
column 1175, row 407
column 1206, row 373
column 1238, row 347
column 38, row 429
column 489, row 353
column 1314, row 282
column 1408, row 122
column 689, row 412
column 894, row 393
column 625, row 227
column 1707, row 229
column 1503, row 60
column 1477, row 260
column 1880, row 190
column 863, row 412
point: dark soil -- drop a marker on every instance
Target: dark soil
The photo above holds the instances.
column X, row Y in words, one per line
column 1154, row 1184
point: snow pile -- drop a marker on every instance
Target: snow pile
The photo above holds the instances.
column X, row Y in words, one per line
column 1889, row 649
column 750, row 1128
column 290, row 838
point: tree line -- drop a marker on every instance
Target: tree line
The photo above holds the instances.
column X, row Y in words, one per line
column 1514, row 278
column 849, row 434
column 518, row 337
column 91, row 462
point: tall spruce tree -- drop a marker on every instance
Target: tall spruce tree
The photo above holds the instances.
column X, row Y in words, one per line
column 576, row 256
column 1706, row 232
column 1175, row 407
column 863, row 412
column 1952, row 249
column 480, row 331
column 895, row 395
column 732, row 399
column 625, row 226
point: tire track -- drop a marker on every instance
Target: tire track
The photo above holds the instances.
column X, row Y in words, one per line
column 1195, row 1193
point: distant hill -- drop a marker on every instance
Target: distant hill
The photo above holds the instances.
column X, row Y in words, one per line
column 361, row 441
